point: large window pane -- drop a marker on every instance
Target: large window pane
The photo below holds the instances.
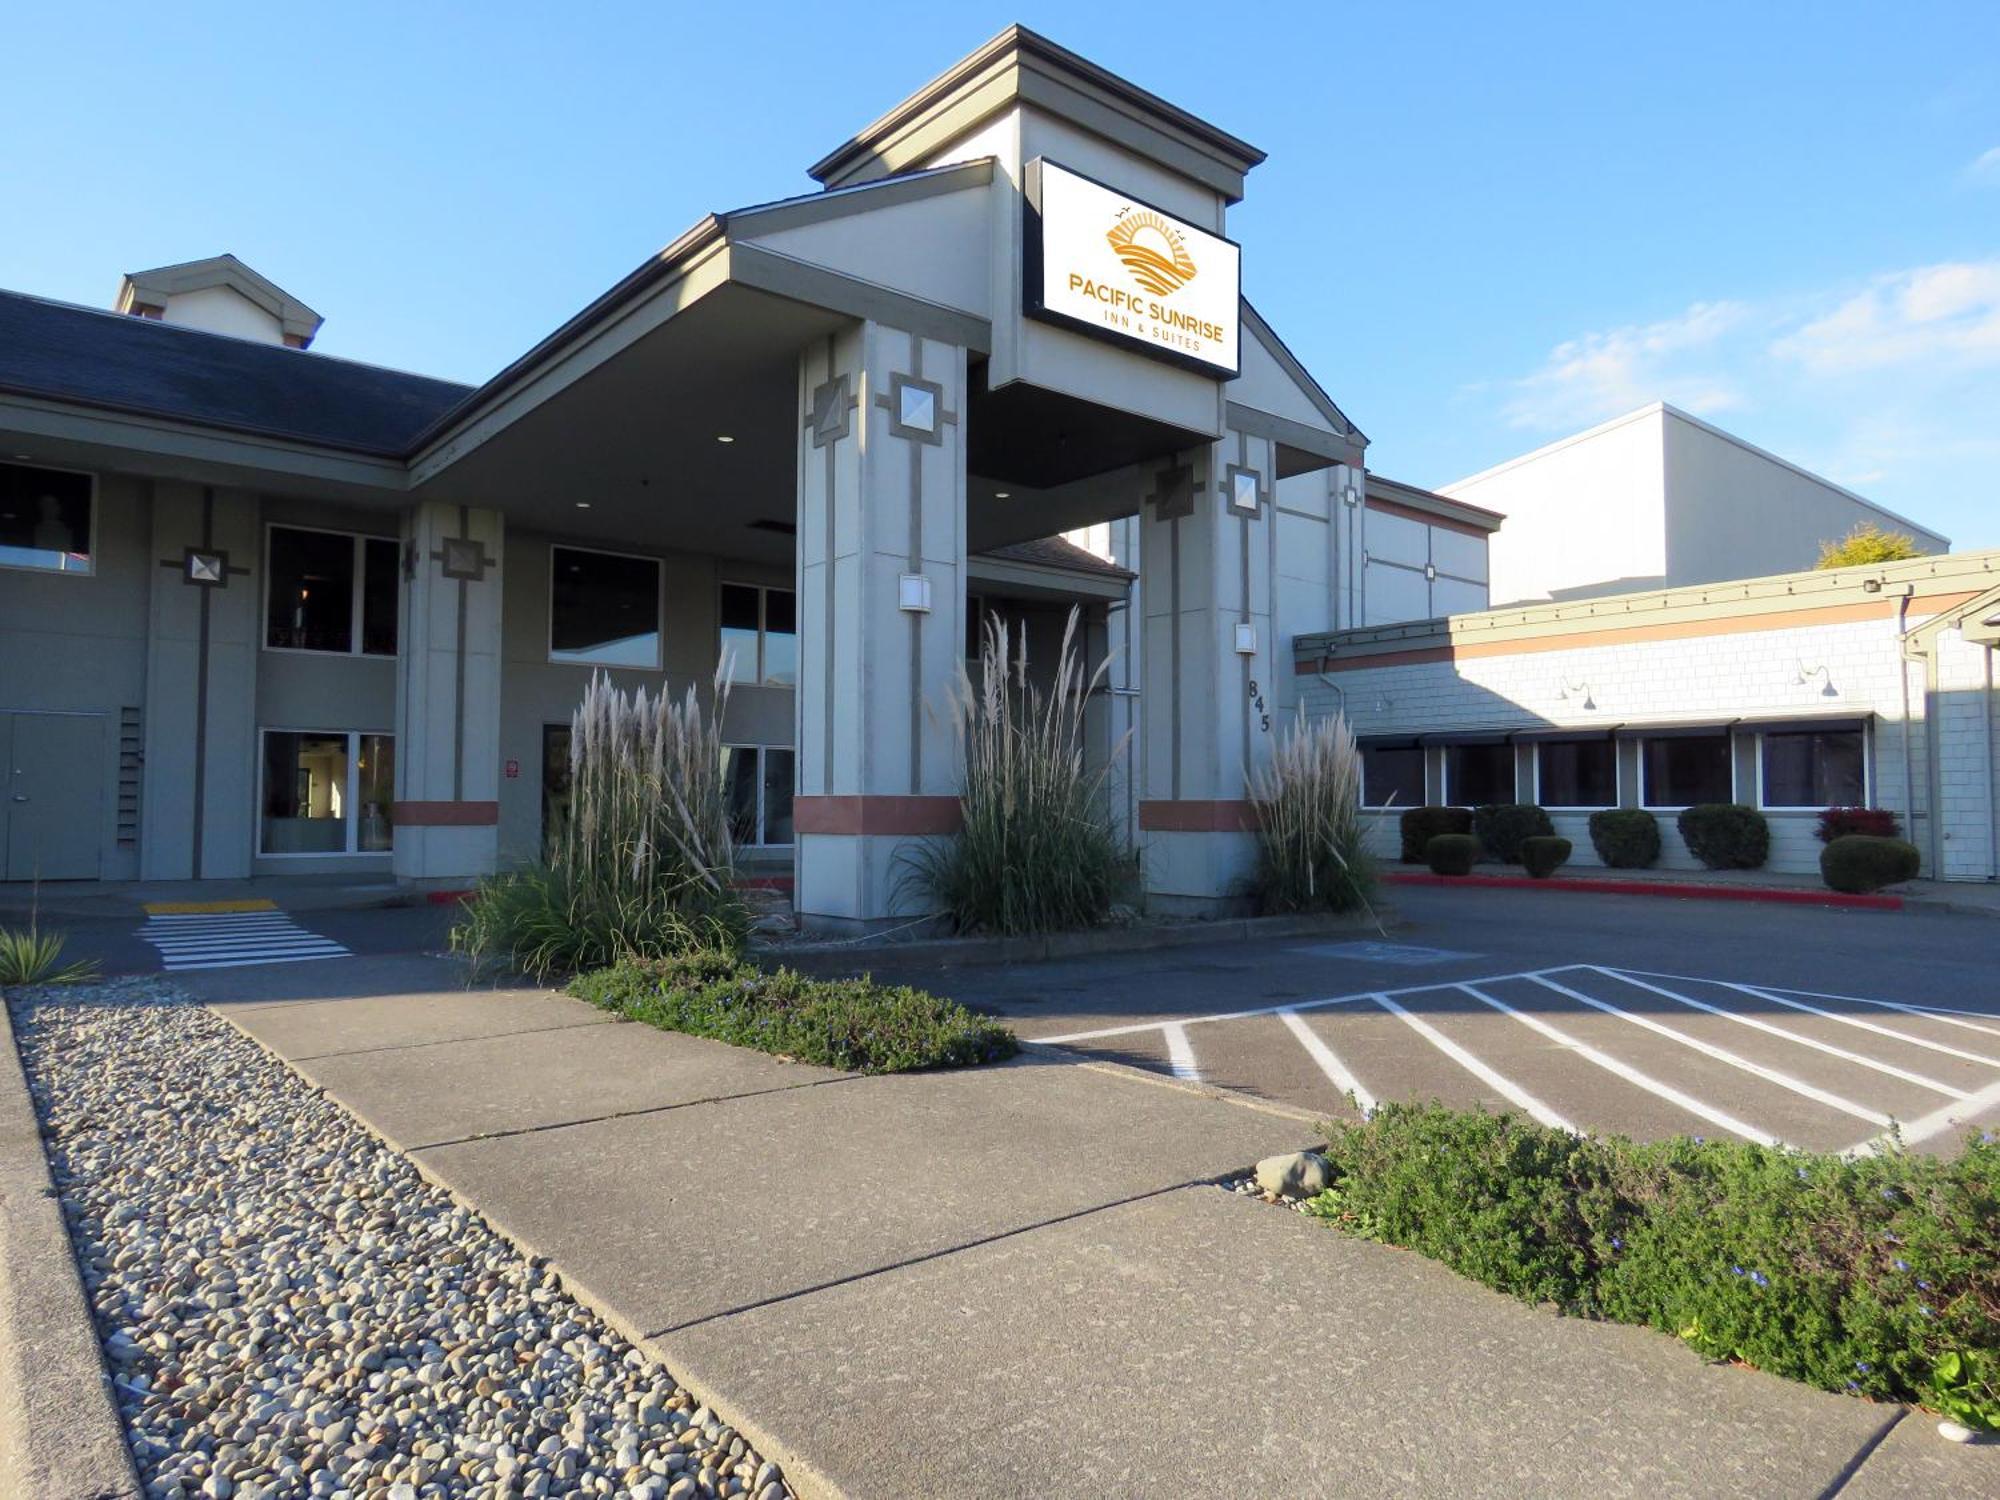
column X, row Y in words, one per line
column 1814, row 769
column 555, row 779
column 1392, row 777
column 305, row 793
column 1478, row 774
column 604, row 609
column 1681, row 771
column 310, row 606
column 739, row 632
column 44, row 519
column 380, row 575
column 777, row 796
column 376, row 792
column 781, row 638
column 739, row 790
column 1577, row 773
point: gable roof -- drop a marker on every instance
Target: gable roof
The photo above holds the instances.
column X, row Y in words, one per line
column 153, row 288
column 112, row 360
column 1057, row 552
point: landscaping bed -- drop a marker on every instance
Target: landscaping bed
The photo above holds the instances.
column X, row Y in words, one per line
column 855, row 1025
column 1877, row 1275
column 289, row 1309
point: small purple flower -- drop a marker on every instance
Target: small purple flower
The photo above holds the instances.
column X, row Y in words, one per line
column 1735, row 1270
column 1900, row 1264
column 1616, row 1243
column 1852, row 1386
column 1697, row 1140
column 1802, row 1174
column 1923, row 1286
column 1760, row 1278
column 1925, row 1311
column 1888, row 1195
column 1861, row 1365
column 1985, row 1137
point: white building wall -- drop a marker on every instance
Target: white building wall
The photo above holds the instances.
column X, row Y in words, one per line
column 219, row 309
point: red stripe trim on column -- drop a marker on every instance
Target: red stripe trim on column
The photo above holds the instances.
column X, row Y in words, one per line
column 1198, row 817
column 901, row 815
column 446, row 814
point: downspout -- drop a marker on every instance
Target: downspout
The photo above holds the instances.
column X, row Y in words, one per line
column 1903, row 682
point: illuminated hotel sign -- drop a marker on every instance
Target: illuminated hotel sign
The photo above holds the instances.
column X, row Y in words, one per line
column 1103, row 263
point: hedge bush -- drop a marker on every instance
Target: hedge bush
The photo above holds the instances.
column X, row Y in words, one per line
column 1858, row 863
column 1502, row 826
column 856, row 1025
column 1625, row 838
column 1422, row 824
column 1451, row 853
column 1876, row 822
column 1726, row 835
column 1543, row 856
column 1865, row 1275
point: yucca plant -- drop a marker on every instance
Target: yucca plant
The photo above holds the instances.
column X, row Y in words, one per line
column 30, row 956
column 1036, row 851
column 640, row 863
column 1310, row 835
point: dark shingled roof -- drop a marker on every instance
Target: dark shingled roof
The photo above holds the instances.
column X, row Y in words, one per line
column 1054, row 552
column 71, row 353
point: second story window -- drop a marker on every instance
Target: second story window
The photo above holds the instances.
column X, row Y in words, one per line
column 759, row 636
column 604, row 608
column 330, row 591
column 44, row 519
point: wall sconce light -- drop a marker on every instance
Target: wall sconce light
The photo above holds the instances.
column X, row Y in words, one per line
column 913, row 593
column 1246, row 639
column 1568, row 690
column 1806, row 674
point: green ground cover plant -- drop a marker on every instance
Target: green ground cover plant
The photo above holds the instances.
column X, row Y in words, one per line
column 1036, row 850
column 1502, row 827
column 1876, row 1274
column 856, row 1025
column 1420, row 825
column 1625, row 838
column 1310, row 834
column 1858, row 863
column 639, row 863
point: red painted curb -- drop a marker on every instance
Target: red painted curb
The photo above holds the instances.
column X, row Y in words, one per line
column 448, row 898
column 1775, row 895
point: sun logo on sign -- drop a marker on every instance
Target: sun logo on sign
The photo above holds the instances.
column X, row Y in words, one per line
column 1153, row 251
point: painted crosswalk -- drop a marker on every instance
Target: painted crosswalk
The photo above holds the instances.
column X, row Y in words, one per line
column 1608, row 1048
column 233, row 939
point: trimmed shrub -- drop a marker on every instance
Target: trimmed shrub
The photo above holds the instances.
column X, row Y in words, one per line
column 1035, row 851
column 1451, row 853
column 1422, row 824
column 1309, row 826
column 1858, row 863
column 853, row 1024
column 1625, row 838
column 1544, row 855
column 1875, row 822
column 1502, row 826
column 1726, row 835
column 1865, row 1274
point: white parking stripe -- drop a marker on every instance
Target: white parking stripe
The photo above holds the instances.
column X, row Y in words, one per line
column 235, row 940
column 1943, row 1013
column 1888, row 1031
column 1627, row 1072
column 1759, row 1024
column 1936, row 1122
column 1180, row 1054
column 1505, row 1087
column 1329, row 1064
column 1722, row 1054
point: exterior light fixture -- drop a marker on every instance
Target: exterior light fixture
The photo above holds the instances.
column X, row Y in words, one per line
column 1003, row 494
column 913, row 594
column 1871, row 585
column 1807, row 674
column 723, row 437
column 583, row 505
column 1246, row 639
column 1568, row 690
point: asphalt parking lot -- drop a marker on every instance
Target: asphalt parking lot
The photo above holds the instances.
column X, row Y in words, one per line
column 1815, row 1028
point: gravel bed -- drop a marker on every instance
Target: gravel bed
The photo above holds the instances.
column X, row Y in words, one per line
column 288, row 1309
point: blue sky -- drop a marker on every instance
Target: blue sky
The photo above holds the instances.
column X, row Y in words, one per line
column 1481, row 226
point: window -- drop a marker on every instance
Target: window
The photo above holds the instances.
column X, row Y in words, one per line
column 1576, row 773
column 44, row 519
column 757, row 781
column 1681, row 770
column 319, row 583
column 604, row 609
column 759, row 635
column 555, row 779
column 1478, row 774
column 1392, row 775
column 1814, row 768
column 327, row 792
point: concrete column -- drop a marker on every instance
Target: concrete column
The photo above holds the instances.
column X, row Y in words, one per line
column 448, row 695
column 881, row 590
column 1210, row 705
column 198, row 817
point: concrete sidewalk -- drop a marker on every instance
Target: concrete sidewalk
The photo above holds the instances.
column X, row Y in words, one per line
column 1019, row 1280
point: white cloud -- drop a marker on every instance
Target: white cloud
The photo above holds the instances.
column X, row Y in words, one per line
column 1935, row 315
column 1985, row 166
column 1601, row 374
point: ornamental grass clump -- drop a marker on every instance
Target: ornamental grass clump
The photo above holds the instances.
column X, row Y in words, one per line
column 1309, row 826
column 1036, row 851
column 640, row 862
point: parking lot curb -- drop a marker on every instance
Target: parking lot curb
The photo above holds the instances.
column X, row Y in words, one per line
column 60, row 1431
column 1686, row 890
